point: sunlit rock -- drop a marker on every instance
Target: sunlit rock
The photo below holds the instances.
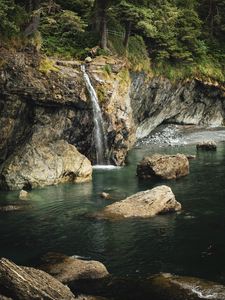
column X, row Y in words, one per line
column 23, row 195
column 40, row 164
column 25, row 283
column 163, row 166
column 158, row 200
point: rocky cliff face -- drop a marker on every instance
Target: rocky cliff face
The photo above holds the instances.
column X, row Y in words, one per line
column 46, row 115
column 39, row 116
column 158, row 100
column 45, row 112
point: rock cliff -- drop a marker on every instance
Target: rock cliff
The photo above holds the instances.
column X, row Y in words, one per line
column 159, row 100
column 46, row 114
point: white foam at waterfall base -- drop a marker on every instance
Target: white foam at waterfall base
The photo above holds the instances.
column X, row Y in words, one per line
column 99, row 135
column 106, row 167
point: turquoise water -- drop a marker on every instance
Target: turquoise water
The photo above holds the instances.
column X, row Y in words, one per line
column 188, row 243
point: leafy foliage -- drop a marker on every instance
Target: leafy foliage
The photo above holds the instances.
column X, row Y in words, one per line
column 12, row 17
column 177, row 36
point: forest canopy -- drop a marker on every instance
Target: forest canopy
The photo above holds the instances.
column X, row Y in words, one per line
column 173, row 33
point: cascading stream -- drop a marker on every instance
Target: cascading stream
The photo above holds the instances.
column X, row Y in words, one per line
column 99, row 135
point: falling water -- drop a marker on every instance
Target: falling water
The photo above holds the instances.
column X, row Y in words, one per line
column 99, row 136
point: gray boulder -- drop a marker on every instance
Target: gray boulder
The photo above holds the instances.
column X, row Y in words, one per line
column 145, row 204
column 41, row 164
column 163, row 166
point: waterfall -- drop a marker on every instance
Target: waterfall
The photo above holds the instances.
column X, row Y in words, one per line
column 99, row 135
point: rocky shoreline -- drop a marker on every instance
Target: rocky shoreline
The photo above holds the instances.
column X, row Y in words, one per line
column 21, row 283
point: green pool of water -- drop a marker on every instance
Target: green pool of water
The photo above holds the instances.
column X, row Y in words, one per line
column 188, row 243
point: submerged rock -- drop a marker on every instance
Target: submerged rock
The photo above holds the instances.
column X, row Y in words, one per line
column 41, row 164
column 10, row 206
column 163, row 166
column 145, row 204
column 207, row 145
column 23, row 283
column 167, row 286
column 68, row 269
column 7, row 208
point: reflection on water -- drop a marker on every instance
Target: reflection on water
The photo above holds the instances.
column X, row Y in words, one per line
column 189, row 243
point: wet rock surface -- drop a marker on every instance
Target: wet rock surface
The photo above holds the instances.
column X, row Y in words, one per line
column 10, row 206
column 158, row 200
column 25, row 283
column 68, row 269
column 158, row 287
column 207, row 146
column 168, row 286
column 163, row 166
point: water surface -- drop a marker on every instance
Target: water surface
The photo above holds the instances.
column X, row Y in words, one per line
column 188, row 243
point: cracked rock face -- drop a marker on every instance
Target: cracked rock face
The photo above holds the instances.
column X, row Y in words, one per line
column 159, row 100
column 45, row 164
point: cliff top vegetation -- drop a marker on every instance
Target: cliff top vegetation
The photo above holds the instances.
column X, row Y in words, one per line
column 174, row 38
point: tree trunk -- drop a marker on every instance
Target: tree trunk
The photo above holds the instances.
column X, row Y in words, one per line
column 103, row 32
column 34, row 22
column 127, row 34
column 101, row 21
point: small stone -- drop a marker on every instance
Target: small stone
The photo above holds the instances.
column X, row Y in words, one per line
column 207, row 145
column 88, row 59
column 23, row 195
column 105, row 195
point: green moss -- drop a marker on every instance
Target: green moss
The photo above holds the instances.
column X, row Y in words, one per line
column 47, row 65
column 107, row 68
column 207, row 69
column 124, row 79
column 101, row 93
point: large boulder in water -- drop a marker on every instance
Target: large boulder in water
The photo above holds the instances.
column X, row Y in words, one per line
column 41, row 164
column 68, row 269
column 167, row 286
column 24, row 283
column 163, row 166
column 145, row 204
